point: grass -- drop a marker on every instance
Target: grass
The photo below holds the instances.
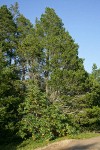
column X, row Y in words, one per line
column 84, row 135
column 30, row 144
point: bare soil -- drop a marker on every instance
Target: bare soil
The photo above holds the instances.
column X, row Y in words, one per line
column 86, row 144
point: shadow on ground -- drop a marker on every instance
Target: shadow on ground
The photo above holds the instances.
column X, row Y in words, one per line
column 81, row 147
column 9, row 142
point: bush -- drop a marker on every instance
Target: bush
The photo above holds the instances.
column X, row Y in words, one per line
column 89, row 119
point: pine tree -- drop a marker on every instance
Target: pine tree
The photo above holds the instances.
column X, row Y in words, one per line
column 24, row 28
column 10, row 85
column 7, row 34
column 96, row 72
column 63, row 70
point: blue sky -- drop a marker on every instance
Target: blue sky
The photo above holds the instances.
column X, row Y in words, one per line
column 80, row 17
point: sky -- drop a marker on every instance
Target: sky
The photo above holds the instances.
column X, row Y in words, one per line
column 80, row 17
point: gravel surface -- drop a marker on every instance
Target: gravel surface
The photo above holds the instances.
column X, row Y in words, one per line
column 86, row 144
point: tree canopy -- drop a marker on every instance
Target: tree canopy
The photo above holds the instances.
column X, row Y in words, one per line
column 45, row 92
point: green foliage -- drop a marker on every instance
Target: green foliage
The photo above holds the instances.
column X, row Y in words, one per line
column 89, row 119
column 96, row 72
column 40, row 119
column 7, row 34
column 30, row 144
column 10, row 96
column 61, row 58
column 32, row 110
column 45, row 91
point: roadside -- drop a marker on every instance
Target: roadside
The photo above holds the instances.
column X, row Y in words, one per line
column 86, row 144
column 72, row 142
column 56, row 145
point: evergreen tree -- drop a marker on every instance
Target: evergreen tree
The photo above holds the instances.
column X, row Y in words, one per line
column 7, row 34
column 10, row 85
column 63, row 70
column 24, row 28
column 44, row 88
column 96, row 72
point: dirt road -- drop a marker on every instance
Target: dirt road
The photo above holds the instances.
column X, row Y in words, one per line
column 87, row 144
